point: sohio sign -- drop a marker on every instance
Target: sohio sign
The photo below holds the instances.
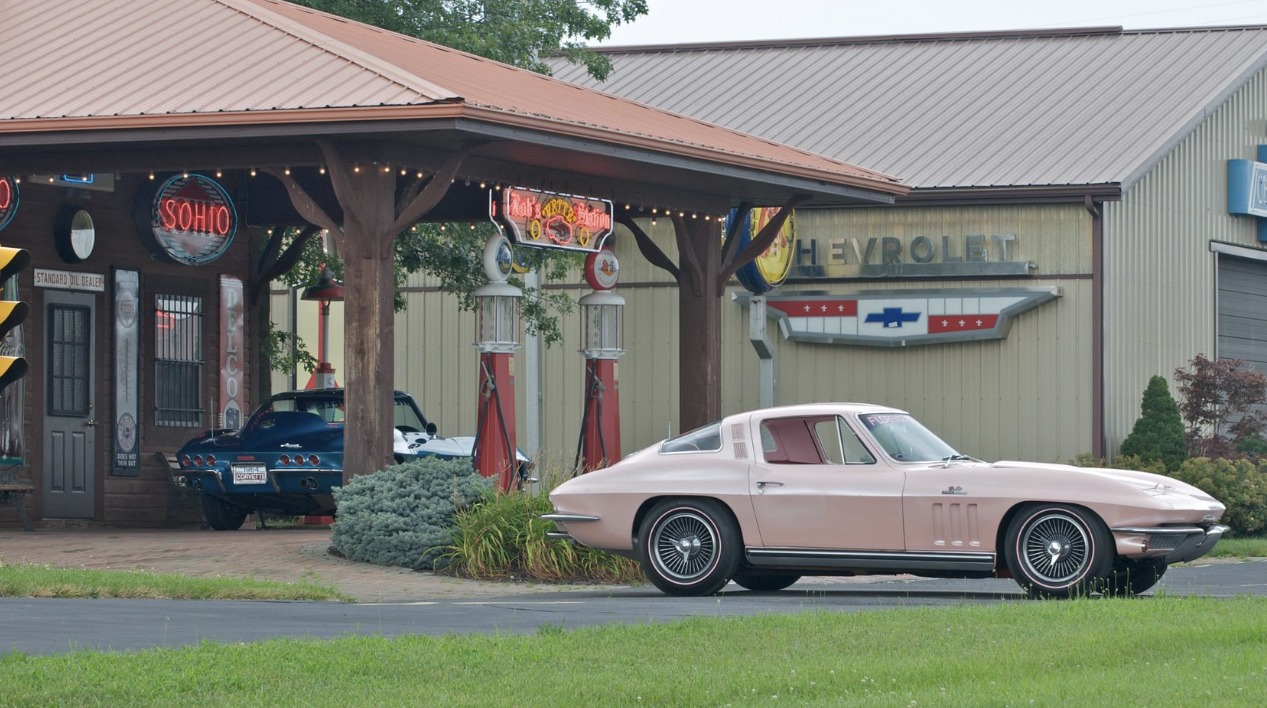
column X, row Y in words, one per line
column 8, row 199
column 551, row 220
column 190, row 220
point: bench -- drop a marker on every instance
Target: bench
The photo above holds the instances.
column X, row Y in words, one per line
column 178, row 489
column 13, row 492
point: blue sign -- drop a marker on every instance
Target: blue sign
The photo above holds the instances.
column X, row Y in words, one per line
column 1247, row 189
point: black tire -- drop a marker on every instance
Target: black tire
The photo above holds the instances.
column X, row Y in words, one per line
column 1054, row 550
column 689, row 547
column 766, row 582
column 1131, row 577
column 221, row 515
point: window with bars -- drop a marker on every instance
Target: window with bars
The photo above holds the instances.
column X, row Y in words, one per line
column 68, row 344
column 178, row 360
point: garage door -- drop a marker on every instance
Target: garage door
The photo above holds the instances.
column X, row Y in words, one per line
column 1243, row 310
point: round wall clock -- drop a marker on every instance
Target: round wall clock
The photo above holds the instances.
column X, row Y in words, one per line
column 74, row 234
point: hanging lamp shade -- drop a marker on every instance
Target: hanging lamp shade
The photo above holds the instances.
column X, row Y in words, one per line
column 326, row 288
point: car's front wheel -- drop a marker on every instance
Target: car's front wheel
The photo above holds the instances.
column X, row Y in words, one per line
column 1055, row 550
column 221, row 515
column 764, row 582
column 689, row 546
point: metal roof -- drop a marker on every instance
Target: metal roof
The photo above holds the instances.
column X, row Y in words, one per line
column 86, row 66
column 1094, row 106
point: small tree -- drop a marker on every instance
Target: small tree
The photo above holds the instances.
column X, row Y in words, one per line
column 1217, row 405
column 1158, row 434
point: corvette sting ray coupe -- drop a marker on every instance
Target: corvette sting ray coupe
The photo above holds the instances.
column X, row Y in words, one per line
column 765, row 497
column 289, row 455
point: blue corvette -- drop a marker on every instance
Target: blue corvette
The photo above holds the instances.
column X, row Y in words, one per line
column 290, row 453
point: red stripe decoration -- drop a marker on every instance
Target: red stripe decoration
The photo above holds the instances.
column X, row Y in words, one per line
column 816, row 308
column 938, row 324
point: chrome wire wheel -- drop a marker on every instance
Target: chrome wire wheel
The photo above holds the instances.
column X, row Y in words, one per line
column 684, row 545
column 1056, row 549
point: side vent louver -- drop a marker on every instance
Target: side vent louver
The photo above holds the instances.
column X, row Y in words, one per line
column 736, row 431
column 741, row 451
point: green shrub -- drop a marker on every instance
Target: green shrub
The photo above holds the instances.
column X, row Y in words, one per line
column 1123, row 462
column 504, row 536
column 1239, row 484
column 1159, row 432
column 401, row 515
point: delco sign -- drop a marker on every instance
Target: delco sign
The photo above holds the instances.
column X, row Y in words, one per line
column 552, row 220
column 191, row 220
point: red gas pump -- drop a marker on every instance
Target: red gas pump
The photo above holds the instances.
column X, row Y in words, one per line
column 602, row 343
column 497, row 337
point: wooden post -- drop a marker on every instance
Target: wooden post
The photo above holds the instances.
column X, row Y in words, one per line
column 366, row 239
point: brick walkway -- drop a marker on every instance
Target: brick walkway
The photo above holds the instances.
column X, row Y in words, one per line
column 285, row 555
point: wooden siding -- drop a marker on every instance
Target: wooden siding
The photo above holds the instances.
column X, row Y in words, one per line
column 1160, row 275
column 120, row 500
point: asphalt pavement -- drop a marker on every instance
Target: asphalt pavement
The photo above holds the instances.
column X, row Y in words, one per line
column 49, row 626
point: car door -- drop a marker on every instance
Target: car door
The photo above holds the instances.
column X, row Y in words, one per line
column 818, row 486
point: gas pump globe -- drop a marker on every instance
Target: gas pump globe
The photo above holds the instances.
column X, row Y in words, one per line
column 497, row 338
column 602, row 325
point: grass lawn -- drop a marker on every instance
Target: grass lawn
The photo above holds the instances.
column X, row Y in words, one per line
column 1240, row 548
column 25, row 580
column 1165, row 652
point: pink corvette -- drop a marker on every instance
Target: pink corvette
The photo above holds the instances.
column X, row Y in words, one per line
column 765, row 497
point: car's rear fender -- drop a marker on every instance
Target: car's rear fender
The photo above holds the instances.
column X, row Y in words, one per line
column 646, row 506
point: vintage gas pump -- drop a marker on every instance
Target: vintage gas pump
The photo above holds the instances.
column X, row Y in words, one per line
column 497, row 337
column 602, row 343
column 324, row 291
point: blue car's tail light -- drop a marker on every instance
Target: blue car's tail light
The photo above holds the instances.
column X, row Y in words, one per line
column 186, row 461
column 211, row 460
column 314, row 460
column 285, row 459
column 299, row 460
column 198, row 460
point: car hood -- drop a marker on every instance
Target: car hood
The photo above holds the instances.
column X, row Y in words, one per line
column 423, row 444
column 1148, row 482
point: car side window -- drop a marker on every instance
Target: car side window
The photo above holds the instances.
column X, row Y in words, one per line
column 829, row 439
column 855, row 452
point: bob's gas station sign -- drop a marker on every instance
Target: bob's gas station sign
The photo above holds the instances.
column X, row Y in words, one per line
column 552, row 220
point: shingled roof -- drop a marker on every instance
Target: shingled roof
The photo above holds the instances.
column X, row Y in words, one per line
column 86, row 66
column 1091, row 106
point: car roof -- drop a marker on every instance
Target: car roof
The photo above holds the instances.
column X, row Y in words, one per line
column 813, row 409
column 321, row 393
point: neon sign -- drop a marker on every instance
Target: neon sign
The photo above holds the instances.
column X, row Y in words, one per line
column 552, row 220
column 8, row 199
column 192, row 219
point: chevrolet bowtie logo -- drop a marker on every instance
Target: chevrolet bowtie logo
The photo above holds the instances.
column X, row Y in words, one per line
column 892, row 317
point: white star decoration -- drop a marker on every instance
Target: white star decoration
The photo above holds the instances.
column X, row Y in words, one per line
column 962, row 323
column 978, row 323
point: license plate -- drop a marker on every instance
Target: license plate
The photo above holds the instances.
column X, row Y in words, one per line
column 250, row 474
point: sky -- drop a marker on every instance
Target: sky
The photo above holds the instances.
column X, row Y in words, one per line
column 677, row 21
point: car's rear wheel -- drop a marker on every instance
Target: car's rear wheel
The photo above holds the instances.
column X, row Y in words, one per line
column 1132, row 577
column 221, row 515
column 689, row 546
column 1054, row 550
column 764, row 582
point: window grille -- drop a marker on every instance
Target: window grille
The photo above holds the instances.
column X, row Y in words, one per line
column 178, row 360
column 69, row 376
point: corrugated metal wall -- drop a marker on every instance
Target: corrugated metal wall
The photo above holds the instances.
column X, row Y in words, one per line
column 1027, row 396
column 1159, row 276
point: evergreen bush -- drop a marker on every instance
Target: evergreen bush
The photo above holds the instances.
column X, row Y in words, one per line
column 1159, row 432
column 1240, row 484
column 401, row 515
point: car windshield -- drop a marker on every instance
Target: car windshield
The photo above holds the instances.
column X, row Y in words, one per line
column 406, row 417
column 905, row 439
column 707, row 438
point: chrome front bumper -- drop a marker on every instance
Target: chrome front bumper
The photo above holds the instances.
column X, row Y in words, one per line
column 1172, row 544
